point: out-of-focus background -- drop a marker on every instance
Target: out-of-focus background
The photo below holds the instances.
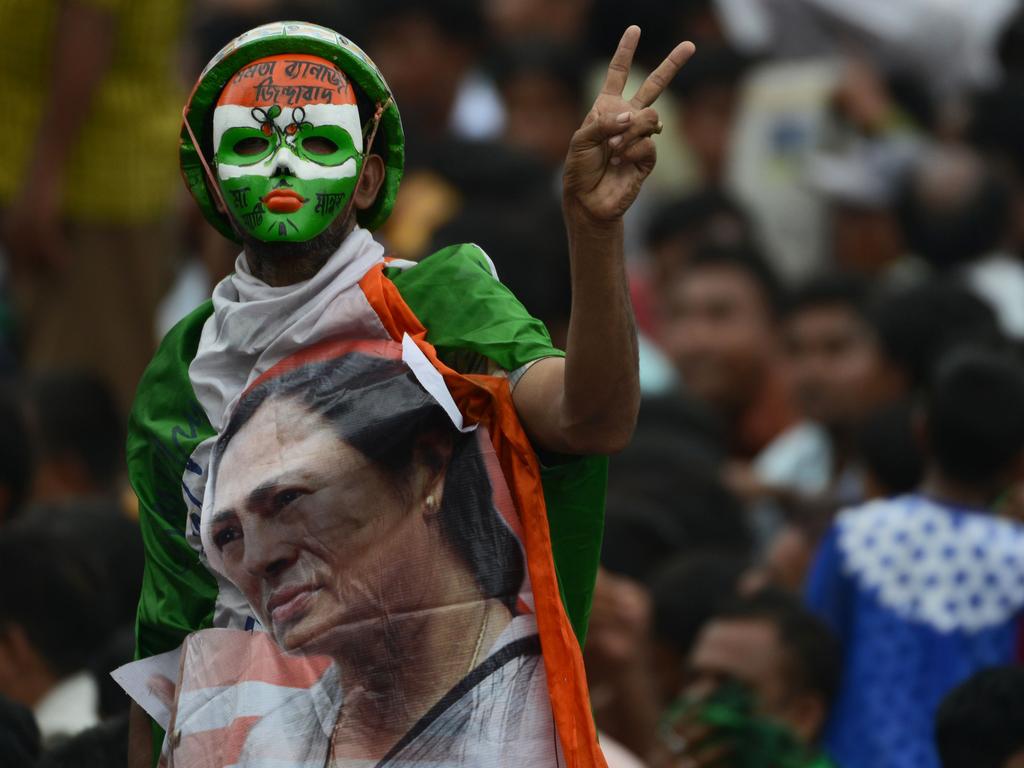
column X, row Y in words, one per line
column 838, row 206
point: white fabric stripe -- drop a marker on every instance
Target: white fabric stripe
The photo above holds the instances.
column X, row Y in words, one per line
column 208, row 709
column 431, row 380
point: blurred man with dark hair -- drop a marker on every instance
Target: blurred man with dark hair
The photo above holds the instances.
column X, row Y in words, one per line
column 709, row 95
column 53, row 618
column 79, row 436
column 19, row 735
column 682, row 225
column 762, row 677
column 980, row 724
column 927, row 588
column 428, row 52
column 722, row 332
column 542, row 88
column 840, row 374
column 916, row 326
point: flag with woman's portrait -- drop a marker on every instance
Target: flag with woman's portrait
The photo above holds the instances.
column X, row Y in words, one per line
column 349, row 534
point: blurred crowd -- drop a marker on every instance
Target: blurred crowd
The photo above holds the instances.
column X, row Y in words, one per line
column 814, row 547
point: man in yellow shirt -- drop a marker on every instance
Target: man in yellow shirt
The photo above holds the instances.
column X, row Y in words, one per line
column 88, row 174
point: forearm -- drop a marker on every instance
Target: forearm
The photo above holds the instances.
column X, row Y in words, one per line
column 83, row 49
column 602, row 388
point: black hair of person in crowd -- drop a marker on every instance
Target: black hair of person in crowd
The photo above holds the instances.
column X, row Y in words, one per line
column 102, row 746
column 543, row 90
column 975, row 419
column 890, row 451
column 918, row 325
column 681, row 225
column 16, row 455
column 813, row 659
column 840, row 374
column 980, row 723
column 100, row 527
column 79, row 435
column 772, row 645
column 686, row 593
column 744, row 257
column 709, row 97
column 667, row 505
column 55, row 613
column 19, row 735
column 953, row 208
column 425, row 50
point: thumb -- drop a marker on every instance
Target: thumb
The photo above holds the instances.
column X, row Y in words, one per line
column 601, row 127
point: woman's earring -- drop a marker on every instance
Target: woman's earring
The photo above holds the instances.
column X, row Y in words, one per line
column 431, row 504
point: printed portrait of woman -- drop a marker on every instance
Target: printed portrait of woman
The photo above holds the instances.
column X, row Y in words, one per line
column 361, row 527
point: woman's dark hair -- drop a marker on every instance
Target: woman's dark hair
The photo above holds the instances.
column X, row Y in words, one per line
column 377, row 406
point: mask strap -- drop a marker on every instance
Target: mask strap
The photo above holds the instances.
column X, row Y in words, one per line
column 374, row 125
column 211, row 179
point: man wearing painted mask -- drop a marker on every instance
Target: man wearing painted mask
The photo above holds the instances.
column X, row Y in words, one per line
column 293, row 146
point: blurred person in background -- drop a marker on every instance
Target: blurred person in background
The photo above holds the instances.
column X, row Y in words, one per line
column 916, row 325
column 53, row 619
column 19, row 735
column 686, row 593
column 16, row 455
column 102, row 746
column 87, row 177
column 840, row 374
column 927, row 588
column 722, row 332
column 430, row 54
column 860, row 185
column 759, row 684
column 78, row 432
column 542, row 91
column 708, row 96
column 956, row 216
column 980, row 724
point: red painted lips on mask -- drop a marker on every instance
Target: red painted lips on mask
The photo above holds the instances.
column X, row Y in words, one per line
column 283, row 201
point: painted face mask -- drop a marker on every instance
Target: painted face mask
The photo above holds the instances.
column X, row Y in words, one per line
column 288, row 146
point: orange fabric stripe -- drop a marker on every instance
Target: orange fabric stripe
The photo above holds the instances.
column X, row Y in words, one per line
column 488, row 400
column 288, row 80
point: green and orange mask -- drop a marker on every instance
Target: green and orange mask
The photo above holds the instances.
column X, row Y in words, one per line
column 288, row 146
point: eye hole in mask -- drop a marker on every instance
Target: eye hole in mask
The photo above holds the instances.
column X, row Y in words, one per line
column 252, row 145
column 319, row 145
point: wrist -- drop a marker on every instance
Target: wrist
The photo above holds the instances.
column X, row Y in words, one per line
column 579, row 220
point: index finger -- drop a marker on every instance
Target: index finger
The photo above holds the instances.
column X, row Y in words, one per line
column 618, row 67
column 659, row 79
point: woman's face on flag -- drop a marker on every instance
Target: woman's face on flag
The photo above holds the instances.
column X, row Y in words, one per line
column 319, row 539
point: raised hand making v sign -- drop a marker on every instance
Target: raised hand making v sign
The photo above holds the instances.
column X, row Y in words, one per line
column 588, row 402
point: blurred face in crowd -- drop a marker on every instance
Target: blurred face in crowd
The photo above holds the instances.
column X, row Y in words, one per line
column 838, row 372
column 749, row 652
column 706, row 123
column 865, row 240
column 540, row 116
column 720, row 333
column 423, row 68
